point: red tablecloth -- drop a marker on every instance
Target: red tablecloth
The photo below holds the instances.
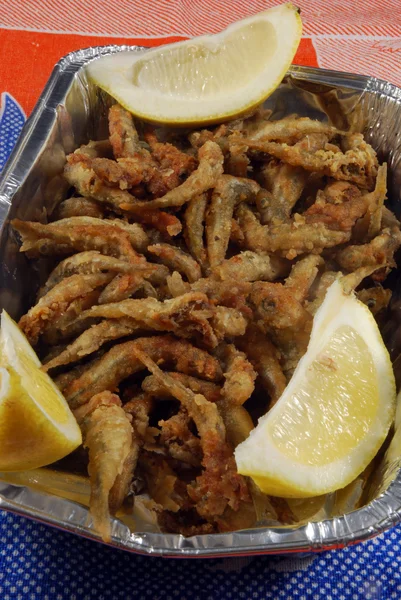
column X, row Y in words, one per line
column 363, row 36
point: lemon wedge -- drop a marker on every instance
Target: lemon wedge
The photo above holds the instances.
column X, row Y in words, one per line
column 334, row 414
column 209, row 78
column 36, row 425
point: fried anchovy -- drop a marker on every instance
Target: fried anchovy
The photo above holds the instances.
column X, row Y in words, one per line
column 59, row 303
column 228, row 192
column 120, row 362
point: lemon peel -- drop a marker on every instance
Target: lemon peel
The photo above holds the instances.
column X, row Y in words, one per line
column 206, row 79
column 334, row 414
column 36, row 425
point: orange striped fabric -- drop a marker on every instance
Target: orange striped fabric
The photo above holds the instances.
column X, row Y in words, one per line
column 362, row 36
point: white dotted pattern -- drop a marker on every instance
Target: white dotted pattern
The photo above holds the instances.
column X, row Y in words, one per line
column 12, row 119
column 40, row 563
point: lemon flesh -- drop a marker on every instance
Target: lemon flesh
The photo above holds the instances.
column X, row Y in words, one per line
column 334, row 414
column 209, row 78
column 36, row 425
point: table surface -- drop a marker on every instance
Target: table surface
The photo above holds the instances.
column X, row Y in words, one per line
column 363, row 36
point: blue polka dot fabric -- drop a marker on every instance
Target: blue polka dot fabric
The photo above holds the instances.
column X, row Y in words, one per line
column 12, row 119
column 41, row 563
column 38, row 562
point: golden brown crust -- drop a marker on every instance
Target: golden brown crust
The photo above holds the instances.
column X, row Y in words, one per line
column 273, row 212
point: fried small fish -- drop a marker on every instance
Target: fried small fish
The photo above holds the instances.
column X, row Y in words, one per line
column 120, row 362
column 107, row 433
column 227, row 193
column 59, row 302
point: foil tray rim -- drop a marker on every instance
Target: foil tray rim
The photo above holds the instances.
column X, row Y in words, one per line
column 377, row 516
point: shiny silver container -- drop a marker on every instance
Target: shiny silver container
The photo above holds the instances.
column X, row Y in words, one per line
column 72, row 110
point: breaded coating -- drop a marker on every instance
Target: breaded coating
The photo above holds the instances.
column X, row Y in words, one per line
column 202, row 179
column 123, row 286
column 79, row 172
column 154, row 387
column 194, row 218
column 177, row 260
column 186, row 316
column 280, row 315
column 252, row 266
column 264, row 357
column 230, row 292
column 285, row 184
column 239, row 376
column 161, row 170
column 72, row 234
column 357, row 163
column 228, row 322
column 376, row 298
column 59, row 301
column 184, row 274
column 178, row 439
column 107, row 433
column 79, row 207
column 219, row 486
column 92, row 339
column 290, row 239
column 173, row 167
column 228, row 192
column 119, row 363
column 291, row 130
column 303, row 275
column 124, row 138
column 380, row 251
column 90, row 263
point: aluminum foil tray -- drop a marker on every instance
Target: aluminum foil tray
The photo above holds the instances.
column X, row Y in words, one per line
column 72, row 110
